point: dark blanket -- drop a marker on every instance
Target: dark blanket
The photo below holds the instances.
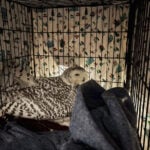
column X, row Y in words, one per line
column 101, row 120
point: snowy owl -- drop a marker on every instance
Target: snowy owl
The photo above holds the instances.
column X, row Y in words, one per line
column 50, row 98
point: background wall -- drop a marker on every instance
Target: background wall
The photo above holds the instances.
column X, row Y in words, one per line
column 46, row 41
column 92, row 37
column 15, row 41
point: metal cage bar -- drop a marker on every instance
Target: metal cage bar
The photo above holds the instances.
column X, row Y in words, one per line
column 139, row 59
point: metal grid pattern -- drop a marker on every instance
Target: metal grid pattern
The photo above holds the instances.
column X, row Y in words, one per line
column 96, row 43
column 140, row 67
column 15, row 41
column 137, row 61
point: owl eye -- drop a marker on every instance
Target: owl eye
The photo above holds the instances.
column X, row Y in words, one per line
column 77, row 74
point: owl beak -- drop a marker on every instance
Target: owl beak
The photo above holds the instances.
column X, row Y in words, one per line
column 83, row 79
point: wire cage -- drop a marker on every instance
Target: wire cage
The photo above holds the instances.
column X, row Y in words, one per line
column 139, row 67
column 46, row 40
column 109, row 38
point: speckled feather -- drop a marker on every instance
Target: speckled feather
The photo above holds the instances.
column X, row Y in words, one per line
column 51, row 98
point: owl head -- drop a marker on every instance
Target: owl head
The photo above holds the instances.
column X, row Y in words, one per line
column 75, row 76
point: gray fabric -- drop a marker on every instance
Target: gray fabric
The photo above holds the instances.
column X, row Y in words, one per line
column 105, row 125
column 126, row 104
column 72, row 145
column 101, row 120
column 14, row 137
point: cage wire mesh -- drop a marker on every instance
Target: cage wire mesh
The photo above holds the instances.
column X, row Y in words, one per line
column 15, row 42
column 43, row 42
column 79, row 36
column 37, row 42
column 140, row 70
